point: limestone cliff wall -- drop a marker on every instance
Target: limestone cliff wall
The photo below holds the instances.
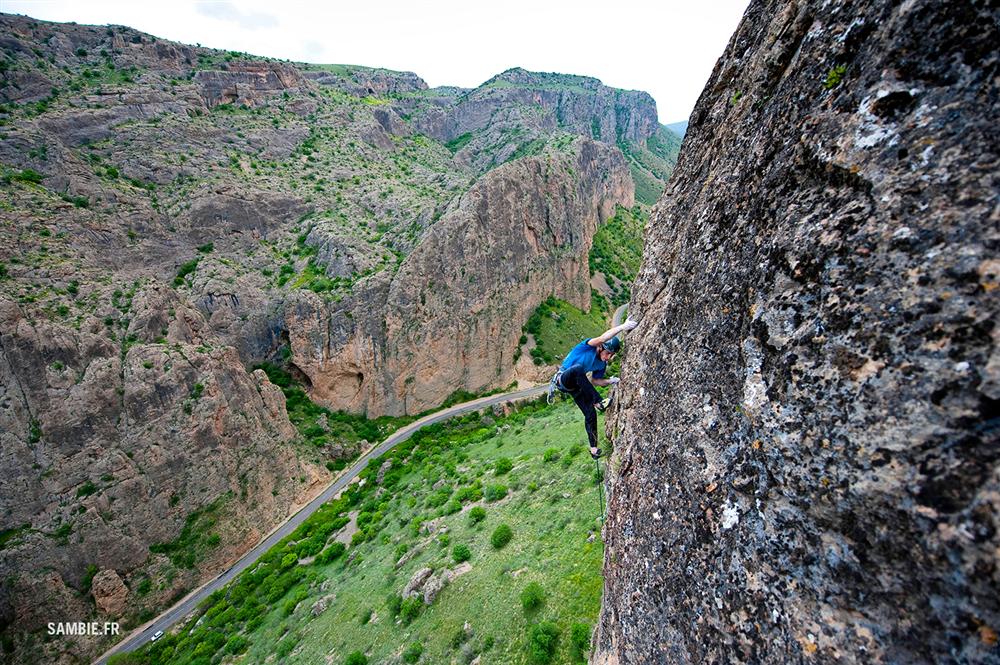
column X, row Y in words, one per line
column 450, row 317
column 806, row 457
column 105, row 454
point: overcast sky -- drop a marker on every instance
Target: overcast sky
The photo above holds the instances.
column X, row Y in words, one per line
column 665, row 47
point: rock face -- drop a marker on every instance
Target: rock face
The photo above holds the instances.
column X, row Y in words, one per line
column 105, row 453
column 806, row 460
column 109, row 592
column 450, row 317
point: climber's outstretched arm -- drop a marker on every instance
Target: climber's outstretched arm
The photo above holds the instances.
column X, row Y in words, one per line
column 611, row 332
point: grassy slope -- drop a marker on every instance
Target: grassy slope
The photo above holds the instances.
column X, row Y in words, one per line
column 617, row 251
column 552, row 508
column 559, row 326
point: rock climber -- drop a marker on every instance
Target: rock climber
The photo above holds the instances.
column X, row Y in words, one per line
column 590, row 355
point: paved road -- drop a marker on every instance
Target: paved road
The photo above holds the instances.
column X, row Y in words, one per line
column 186, row 605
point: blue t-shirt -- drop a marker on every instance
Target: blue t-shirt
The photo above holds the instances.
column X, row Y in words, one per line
column 588, row 356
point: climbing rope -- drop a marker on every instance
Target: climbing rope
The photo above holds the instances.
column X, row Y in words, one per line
column 600, row 487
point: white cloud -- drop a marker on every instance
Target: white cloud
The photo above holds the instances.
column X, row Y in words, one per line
column 227, row 11
column 667, row 48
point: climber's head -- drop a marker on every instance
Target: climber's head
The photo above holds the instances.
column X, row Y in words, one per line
column 609, row 349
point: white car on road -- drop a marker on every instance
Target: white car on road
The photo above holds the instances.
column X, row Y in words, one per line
column 157, row 635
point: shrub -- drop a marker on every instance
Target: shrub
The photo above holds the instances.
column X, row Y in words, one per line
column 439, row 497
column 413, row 652
column 551, row 455
column 185, row 270
column 410, row 609
column 451, row 507
column 207, row 248
column 579, row 637
column 532, row 597
column 477, row 514
column 394, row 603
column 543, row 638
column 495, row 492
column 356, row 658
column 461, row 553
column 331, row 553
column 834, row 77
column 502, row 466
column 28, row 175
column 237, row 644
column 470, row 493
column 501, row 536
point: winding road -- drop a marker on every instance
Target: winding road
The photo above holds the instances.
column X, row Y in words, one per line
column 188, row 604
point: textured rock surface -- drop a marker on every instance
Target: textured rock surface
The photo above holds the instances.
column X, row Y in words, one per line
column 806, row 462
column 105, row 454
column 109, row 592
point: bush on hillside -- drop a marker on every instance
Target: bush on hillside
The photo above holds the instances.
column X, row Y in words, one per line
column 579, row 638
column 532, row 597
column 495, row 492
column 461, row 553
column 502, row 466
column 477, row 514
column 356, row 658
column 543, row 638
column 394, row 603
column 413, row 652
column 470, row 493
column 501, row 536
column 410, row 609
column 331, row 553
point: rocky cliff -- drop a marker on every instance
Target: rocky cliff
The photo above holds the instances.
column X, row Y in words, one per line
column 450, row 317
column 806, row 459
column 511, row 114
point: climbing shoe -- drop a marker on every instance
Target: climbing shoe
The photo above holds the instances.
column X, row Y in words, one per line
column 595, row 452
column 603, row 404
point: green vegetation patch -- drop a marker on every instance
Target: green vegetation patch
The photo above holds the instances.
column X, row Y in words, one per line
column 340, row 426
column 459, row 142
column 311, row 608
column 195, row 538
column 559, row 326
column 617, row 251
column 10, row 537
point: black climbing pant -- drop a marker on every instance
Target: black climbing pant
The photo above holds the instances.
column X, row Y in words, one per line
column 574, row 381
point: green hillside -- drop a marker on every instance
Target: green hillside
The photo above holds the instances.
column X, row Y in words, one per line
column 449, row 491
